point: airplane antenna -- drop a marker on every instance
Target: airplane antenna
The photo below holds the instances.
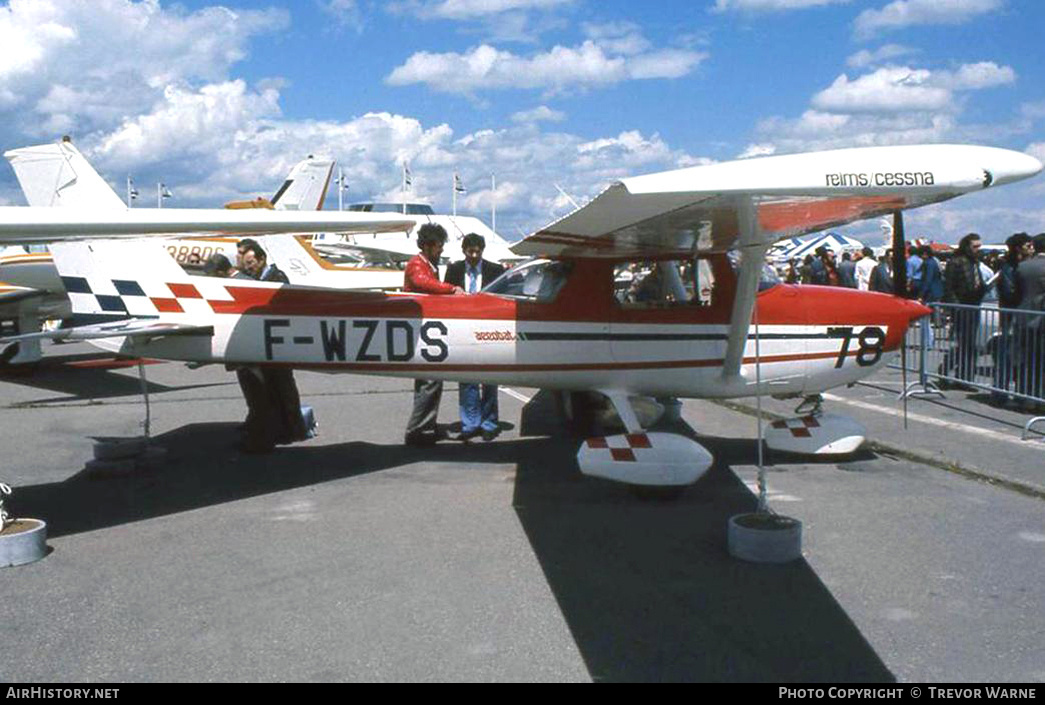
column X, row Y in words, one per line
column 566, row 195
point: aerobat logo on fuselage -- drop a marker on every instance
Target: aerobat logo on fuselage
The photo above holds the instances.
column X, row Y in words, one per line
column 359, row 340
column 494, row 336
column 881, row 178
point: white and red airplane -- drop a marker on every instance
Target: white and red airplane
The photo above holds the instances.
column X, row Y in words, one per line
column 557, row 323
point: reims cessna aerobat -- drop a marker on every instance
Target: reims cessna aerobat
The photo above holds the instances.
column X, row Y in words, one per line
column 562, row 322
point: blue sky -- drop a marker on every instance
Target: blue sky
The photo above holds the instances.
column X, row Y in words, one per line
column 219, row 100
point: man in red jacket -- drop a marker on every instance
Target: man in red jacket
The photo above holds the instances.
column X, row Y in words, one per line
column 422, row 276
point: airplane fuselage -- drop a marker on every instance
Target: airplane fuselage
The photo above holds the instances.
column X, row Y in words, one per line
column 810, row 338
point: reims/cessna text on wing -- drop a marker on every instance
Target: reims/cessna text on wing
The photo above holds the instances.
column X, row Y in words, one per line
column 557, row 322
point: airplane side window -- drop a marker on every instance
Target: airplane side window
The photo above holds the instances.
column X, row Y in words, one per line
column 664, row 283
column 769, row 278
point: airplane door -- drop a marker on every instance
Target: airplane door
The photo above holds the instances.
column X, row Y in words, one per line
column 658, row 319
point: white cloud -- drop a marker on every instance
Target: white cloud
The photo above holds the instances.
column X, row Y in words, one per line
column 905, row 13
column 1033, row 111
column 757, row 150
column 770, row 5
column 865, row 57
column 985, row 74
column 559, row 69
column 885, row 90
column 617, row 37
column 82, row 65
column 230, row 140
column 346, row 13
column 541, row 113
column 473, row 9
column 900, row 88
column 815, row 130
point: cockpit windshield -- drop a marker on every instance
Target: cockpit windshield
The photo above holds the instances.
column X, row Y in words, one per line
column 540, row 280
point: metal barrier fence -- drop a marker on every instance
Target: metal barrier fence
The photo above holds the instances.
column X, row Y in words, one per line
column 996, row 350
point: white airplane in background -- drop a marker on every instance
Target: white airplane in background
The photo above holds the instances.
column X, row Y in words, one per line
column 555, row 323
column 57, row 175
column 400, row 247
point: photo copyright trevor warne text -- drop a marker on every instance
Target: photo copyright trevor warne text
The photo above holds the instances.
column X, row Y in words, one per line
column 913, row 692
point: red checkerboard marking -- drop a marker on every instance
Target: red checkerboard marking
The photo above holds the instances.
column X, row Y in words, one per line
column 627, row 455
column 166, row 305
column 185, row 291
column 799, row 427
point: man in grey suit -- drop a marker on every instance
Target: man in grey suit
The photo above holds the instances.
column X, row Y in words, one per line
column 1030, row 280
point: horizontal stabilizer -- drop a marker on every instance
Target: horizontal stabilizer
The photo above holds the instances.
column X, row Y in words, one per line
column 16, row 294
column 137, row 328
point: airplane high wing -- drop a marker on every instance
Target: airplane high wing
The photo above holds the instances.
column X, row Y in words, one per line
column 700, row 209
column 31, row 225
column 560, row 323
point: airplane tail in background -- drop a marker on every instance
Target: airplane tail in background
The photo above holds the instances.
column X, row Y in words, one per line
column 306, row 185
column 53, row 175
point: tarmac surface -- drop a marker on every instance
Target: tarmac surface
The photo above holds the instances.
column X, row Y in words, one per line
column 351, row 557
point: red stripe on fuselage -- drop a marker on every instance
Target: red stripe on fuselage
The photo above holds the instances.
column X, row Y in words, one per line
column 567, row 367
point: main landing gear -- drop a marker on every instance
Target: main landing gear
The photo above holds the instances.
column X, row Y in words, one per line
column 640, row 457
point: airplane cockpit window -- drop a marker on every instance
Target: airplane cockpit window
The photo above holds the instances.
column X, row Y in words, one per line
column 540, row 281
column 769, row 278
column 664, row 283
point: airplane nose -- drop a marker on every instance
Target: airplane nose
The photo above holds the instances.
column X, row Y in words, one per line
column 1007, row 166
column 915, row 310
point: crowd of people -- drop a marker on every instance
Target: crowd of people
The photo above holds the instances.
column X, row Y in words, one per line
column 960, row 283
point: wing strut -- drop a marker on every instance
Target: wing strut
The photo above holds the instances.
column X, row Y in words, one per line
column 753, row 256
column 899, row 257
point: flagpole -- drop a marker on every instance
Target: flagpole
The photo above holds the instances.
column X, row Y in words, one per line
column 340, row 189
column 404, row 188
column 453, row 191
column 493, row 203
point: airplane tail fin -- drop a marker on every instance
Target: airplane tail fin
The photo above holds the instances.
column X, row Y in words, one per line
column 58, row 175
column 306, row 185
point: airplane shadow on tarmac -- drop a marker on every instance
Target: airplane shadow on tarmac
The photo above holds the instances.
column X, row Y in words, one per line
column 647, row 587
column 86, row 376
column 650, row 592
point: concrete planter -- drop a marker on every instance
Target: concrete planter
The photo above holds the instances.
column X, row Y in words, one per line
column 765, row 538
column 23, row 541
